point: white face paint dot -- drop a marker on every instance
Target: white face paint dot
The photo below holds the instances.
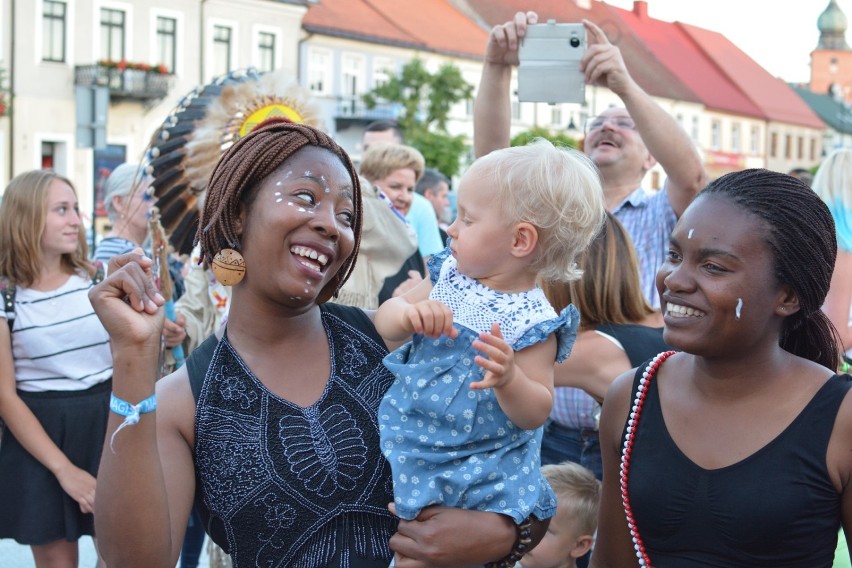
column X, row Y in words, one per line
column 278, row 183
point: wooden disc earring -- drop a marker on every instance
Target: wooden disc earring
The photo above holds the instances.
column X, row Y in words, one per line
column 229, row 267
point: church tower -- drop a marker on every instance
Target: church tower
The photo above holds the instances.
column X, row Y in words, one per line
column 831, row 61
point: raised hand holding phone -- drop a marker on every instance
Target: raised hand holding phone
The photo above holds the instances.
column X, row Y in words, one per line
column 549, row 69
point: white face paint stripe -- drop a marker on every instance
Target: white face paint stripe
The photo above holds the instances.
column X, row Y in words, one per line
column 739, row 311
column 689, row 236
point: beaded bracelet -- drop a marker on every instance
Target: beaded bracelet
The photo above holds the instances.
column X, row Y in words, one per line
column 131, row 412
column 522, row 546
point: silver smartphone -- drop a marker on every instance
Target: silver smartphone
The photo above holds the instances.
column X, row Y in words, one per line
column 549, row 70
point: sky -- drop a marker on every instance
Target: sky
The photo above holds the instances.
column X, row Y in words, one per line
column 777, row 34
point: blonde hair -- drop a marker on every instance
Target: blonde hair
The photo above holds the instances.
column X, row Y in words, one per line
column 833, row 179
column 558, row 191
column 609, row 290
column 833, row 184
column 384, row 158
column 23, row 214
column 578, row 490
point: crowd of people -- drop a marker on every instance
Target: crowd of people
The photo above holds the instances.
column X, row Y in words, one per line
column 562, row 369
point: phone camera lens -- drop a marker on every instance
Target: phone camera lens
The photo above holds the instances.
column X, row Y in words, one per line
column 575, row 42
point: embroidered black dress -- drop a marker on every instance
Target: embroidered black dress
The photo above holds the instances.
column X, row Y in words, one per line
column 281, row 485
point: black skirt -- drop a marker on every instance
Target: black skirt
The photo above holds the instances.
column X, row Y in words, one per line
column 33, row 507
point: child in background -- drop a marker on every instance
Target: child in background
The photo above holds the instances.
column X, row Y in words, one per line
column 461, row 425
column 571, row 531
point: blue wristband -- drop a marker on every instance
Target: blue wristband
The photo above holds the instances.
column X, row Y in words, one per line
column 131, row 412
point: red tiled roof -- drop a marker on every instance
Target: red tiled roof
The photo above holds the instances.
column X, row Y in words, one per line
column 685, row 59
column 775, row 97
column 437, row 23
column 355, row 17
column 643, row 66
column 432, row 25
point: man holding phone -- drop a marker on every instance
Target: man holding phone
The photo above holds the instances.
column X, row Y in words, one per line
column 624, row 142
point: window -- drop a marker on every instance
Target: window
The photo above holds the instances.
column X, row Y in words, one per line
column 319, row 71
column 221, row 50
column 166, row 42
column 266, row 51
column 468, row 106
column 715, row 135
column 695, row 130
column 735, row 138
column 788, row 147
column 755, row 140
column 556, row 116
column 352, row 75
column 53, row 31
column 813, row 149
column 800, row 143
column 48, row 155
column 383, row 70
column 112, row 34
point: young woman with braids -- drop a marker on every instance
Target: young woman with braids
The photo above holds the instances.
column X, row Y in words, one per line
column 281, row 453
column 738, row 450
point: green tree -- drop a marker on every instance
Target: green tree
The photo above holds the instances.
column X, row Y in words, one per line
column 426, row 99
column 558, row 138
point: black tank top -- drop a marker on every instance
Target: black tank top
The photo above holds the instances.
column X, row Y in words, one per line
column 639, row 341
column 776, row 508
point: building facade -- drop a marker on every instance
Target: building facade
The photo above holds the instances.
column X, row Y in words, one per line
column 148, row 54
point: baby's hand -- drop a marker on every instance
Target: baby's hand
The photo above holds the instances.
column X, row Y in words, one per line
column 500, row 361
column 431, row 318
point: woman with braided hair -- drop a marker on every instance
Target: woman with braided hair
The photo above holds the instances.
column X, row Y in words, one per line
column 281, row 453
column 736, row 451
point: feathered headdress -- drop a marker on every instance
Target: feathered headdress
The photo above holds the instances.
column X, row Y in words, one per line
column 185, row 149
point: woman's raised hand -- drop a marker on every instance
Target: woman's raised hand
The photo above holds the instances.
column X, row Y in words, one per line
column 128, row 302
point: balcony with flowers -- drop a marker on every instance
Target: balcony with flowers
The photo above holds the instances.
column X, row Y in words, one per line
column 127, row 80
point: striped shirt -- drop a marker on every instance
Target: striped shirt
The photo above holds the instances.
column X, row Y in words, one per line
column 58, row 343
column 113, row 246
column 649, row 220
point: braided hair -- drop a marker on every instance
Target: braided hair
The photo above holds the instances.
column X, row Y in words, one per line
column 242, row 169
column 803, row 240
